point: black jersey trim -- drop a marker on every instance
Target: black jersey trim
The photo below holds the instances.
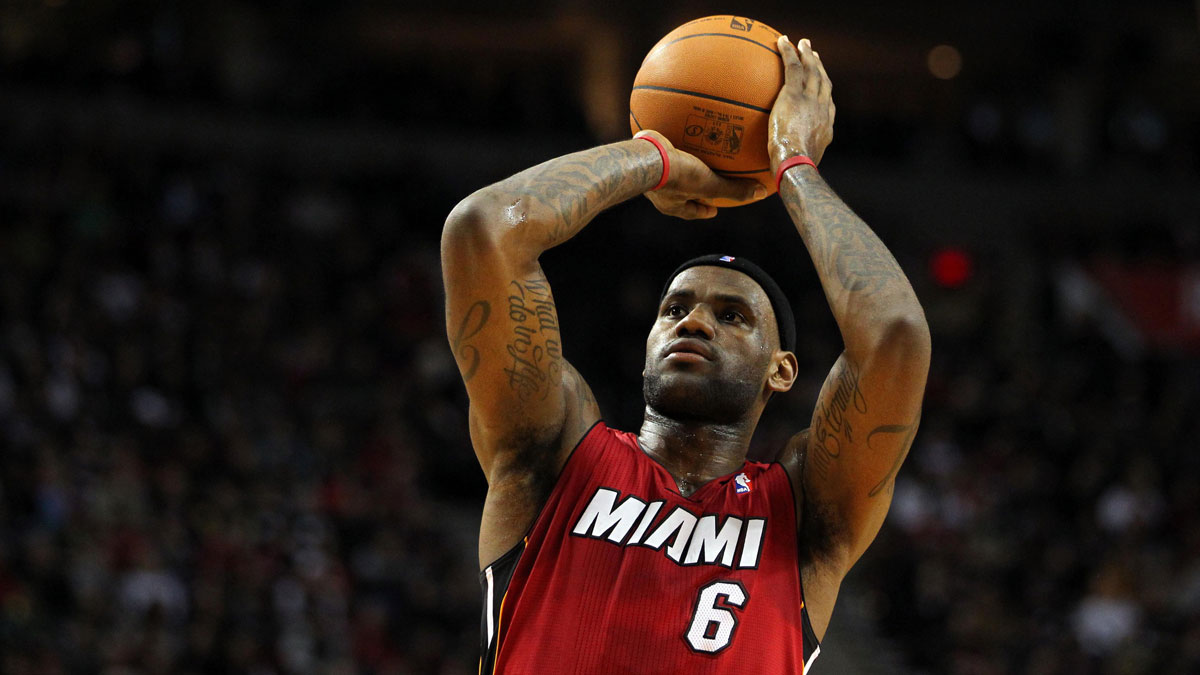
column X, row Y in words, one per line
column 495, row 592
column 812, row 646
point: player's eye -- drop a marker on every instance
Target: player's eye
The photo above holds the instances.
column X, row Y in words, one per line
column 675, row 310
column 731, row 316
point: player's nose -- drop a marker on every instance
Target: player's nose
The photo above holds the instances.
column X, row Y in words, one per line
column 699, row 322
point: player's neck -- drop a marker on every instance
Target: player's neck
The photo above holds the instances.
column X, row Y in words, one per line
column 694, row 452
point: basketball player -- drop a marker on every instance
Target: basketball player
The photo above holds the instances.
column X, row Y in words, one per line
column 666, row 551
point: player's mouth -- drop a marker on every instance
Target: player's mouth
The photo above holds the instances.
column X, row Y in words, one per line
column 688, row 350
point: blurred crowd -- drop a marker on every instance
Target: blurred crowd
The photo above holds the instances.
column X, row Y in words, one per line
column 224, row 399
column 233, row 439
column 1048, row 519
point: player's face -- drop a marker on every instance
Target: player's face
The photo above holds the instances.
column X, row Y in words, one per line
column 709, row 350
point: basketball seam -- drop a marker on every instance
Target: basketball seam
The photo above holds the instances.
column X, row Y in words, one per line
column 635, row 120
column 702, row 95
column 738, row 37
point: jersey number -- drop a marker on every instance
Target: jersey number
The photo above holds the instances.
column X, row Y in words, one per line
column 713, row 622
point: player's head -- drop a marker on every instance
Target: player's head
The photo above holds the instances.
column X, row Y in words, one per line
column 721, row 344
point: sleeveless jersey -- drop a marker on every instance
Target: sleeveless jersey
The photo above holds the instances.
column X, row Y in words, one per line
column 620, row 573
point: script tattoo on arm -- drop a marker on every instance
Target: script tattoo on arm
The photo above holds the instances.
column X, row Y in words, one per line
column 534, row 347
column 831, row 428
column 839, row 241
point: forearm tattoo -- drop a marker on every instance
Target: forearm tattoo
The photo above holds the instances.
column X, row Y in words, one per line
column 842, row 246
column 534, row 348
column 566, row 193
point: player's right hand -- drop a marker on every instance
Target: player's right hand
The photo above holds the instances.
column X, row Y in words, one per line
column 691, row 180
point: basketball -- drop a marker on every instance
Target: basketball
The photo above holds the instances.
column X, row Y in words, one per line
column 708, row 86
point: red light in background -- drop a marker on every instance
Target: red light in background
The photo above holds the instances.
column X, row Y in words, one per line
column 951, row 267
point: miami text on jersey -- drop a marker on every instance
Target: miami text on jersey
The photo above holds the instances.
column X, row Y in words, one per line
column 689, row 539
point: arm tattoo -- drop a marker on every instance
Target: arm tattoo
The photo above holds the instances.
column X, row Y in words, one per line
column 535, row 349
column 574, row 188
column 841, row 244
column 831, row 425
column 474, row 321
column 888, row 482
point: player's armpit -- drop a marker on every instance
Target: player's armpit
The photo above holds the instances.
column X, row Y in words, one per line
column 523, row 466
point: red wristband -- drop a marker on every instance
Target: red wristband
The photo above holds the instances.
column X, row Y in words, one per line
column 666, row 162
column 789, row 163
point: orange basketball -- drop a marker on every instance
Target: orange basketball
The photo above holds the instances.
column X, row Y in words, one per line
column 708, row 86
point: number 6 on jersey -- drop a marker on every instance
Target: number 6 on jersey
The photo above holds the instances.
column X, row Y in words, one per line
column 713, row 622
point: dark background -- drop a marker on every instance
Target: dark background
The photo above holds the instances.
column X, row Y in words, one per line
column 232, row 437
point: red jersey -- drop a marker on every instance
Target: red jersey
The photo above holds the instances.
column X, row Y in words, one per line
column 620, row 573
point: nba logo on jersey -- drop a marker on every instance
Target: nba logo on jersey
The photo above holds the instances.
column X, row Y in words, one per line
column 728, row 258
column 741, row 484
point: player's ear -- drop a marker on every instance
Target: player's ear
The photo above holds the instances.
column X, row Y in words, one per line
column 784, row 370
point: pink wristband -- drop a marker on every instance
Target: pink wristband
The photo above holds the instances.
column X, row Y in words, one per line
column 789, row 163
column 666, row 162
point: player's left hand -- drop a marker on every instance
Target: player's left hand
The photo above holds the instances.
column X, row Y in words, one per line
column 691, row 180
column 801, row 121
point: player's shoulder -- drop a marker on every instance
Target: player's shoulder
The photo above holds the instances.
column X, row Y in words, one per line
column 609, row 444
column 625, row 438
column 791, row 457
column 602, row 439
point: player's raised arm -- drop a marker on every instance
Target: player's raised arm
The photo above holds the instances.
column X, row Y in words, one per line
column 528, row 406
column 867, row 412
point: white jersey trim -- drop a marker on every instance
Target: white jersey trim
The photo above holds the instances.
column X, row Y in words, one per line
column 491, row 599
column 808, row 664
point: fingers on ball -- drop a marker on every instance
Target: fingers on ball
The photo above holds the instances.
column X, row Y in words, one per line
column 791, row 57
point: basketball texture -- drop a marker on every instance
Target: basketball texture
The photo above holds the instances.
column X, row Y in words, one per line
column 708, row 86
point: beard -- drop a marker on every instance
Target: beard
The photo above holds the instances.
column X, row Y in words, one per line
column 689, row 397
